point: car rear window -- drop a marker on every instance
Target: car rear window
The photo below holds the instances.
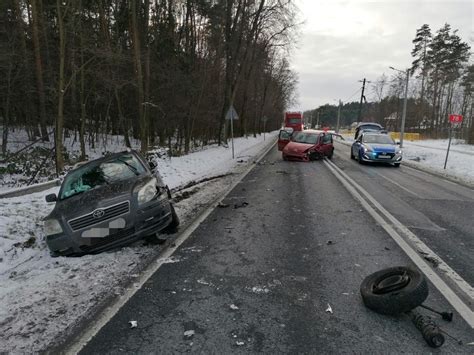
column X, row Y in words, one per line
column 370, row 126
column 85, row 178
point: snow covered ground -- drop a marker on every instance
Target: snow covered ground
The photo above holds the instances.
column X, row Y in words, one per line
column 43, row 298
column 431, row 155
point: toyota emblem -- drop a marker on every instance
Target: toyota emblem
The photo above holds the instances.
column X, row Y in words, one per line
column 98, row 213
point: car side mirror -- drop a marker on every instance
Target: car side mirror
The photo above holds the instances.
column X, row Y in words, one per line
column 152, row 165
column 51, row 198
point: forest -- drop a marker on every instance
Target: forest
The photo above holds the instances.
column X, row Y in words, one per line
column 161, row 71
column 441, row 82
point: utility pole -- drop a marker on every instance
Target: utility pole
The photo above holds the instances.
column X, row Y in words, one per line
column 338, row 116
column 404, row 114
column 362, row 97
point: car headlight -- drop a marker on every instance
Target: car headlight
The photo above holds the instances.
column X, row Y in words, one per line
column 52, row 226
column 399, row 151
column 367, row 149
column 147, row 192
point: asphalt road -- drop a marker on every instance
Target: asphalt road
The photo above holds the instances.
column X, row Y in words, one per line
column 439, row 212
column 259, row 277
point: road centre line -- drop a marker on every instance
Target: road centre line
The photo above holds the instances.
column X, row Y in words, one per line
column 109, row 312
column 464, row 310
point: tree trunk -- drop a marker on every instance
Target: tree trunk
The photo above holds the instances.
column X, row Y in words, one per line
column 60, row 116
column 139, row 74
column 39, row 70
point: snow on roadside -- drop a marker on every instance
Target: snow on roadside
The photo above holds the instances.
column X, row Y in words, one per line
column 432, row 154
column 42, row 298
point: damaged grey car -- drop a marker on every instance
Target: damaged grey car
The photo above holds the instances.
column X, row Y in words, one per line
column 106, row 203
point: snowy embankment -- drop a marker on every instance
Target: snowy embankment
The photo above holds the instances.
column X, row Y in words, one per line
column 43, row 298
column 429, row 155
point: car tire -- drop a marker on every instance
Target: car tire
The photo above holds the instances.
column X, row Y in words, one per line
column 394, row 290
column 174, row 224
column 397, row 165
column 284, row 157
column 352, row 155
column 156, row 238
column 331, row 154
column 359, row 159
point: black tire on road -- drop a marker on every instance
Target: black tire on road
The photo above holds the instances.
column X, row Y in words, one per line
column 397, row 165
column 173, row 226
column 394, row 290
column 331, row 154
column 352, row 155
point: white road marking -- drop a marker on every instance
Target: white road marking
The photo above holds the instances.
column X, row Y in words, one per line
column 99, row 322
column 462, row 308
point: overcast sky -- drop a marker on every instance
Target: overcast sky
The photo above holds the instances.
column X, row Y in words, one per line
column 341, row 42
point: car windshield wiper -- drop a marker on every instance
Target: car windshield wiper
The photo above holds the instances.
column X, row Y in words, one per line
column 130, row 166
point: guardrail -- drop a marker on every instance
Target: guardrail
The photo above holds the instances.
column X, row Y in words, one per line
column 30, row 189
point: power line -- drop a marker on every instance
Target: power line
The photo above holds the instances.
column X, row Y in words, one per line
column 350, row 97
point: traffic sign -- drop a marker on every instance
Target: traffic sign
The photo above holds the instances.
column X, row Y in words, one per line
column 455, row 118
column 231, row 114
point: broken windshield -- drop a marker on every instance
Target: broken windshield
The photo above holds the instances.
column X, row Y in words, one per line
column 106, row 172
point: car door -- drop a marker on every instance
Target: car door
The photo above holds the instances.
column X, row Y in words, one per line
column 326, row 144
column 283, row 139
column 356, row 147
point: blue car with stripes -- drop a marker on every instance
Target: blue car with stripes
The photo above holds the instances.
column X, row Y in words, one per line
column 376, row 147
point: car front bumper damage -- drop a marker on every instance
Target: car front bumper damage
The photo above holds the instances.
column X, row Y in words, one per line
column 147, row 220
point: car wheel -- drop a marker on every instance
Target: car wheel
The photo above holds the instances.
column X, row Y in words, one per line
column 173, row 226
column 331, row 154
column 394, row 290
column 397, row 165
column 284, row 157
column 156, row 239
column 360, row 159
column 352, row 155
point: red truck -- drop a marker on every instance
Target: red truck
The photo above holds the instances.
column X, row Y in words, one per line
column 294, row 120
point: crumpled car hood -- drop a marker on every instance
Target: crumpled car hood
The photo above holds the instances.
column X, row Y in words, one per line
column 297, row 148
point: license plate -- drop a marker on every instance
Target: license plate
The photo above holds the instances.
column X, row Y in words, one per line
column 104, row 231
column 384, row 156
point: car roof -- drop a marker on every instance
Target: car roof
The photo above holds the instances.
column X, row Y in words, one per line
column 369, row 124
column 312, row 131
column 101, row 159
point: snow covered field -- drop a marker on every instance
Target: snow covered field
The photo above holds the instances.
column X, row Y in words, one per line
column 431, row 154
column 43, row 298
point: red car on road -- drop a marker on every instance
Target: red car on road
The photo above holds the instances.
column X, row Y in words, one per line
column 305, row 145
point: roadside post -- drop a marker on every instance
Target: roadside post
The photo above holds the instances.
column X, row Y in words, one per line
column 454, row 121
column 264, row 119
column 232, row 115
